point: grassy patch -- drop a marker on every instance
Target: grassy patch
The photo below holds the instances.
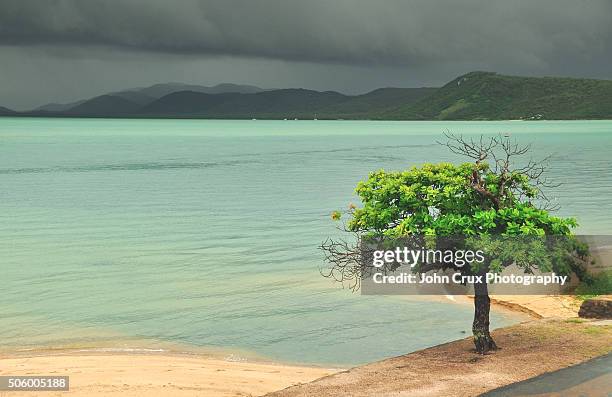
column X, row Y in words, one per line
column 575, row 320
column 594, row 330
column 601, row 284
column 455, row 107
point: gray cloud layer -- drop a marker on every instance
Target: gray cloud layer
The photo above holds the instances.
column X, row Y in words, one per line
column 387, row 32
column 428, row 41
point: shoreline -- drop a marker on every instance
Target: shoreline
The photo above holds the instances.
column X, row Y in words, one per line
column 540, row 306
column 181, row 117
column 199, row 353
column 97, row 371
column 164, row 374
column 453, row 369
column 536, row 306
column 519, row 304
column 528, row 349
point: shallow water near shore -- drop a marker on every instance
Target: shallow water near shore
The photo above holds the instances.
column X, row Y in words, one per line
column 204, row 233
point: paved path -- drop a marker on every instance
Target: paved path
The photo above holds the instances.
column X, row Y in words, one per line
column 589, row 379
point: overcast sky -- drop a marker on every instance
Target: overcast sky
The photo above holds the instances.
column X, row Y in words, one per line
column 64, row 50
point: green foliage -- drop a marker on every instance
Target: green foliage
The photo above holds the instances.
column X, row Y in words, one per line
column 336, row 215
column 441, row 200
column 600, row 284
column 438, row 199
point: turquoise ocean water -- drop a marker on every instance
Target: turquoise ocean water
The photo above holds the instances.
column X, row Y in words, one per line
column 203, row 234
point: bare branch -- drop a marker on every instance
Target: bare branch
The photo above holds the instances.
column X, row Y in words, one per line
column 502, row 152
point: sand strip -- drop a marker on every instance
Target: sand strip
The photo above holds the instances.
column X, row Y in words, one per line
column 158, row 375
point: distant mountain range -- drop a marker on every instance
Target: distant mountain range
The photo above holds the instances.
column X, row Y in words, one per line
column 6, row 112
column 474, row 96
column 143, row 96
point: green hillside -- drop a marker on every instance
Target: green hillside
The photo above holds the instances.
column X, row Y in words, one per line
column 374, row 102
column 285, row 103
column 274, row 104
column 490, row 96
column 474, row 96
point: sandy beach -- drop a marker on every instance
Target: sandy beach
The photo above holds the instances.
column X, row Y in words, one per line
column 540, row 306
column 161, row 374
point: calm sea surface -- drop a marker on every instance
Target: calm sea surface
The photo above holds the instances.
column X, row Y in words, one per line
column 204, row 234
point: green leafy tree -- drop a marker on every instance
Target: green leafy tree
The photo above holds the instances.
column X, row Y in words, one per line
column 492, row 204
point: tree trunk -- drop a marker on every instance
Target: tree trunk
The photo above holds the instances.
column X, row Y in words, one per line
column 480, row 327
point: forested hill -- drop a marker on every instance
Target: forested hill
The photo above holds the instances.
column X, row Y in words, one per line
column 491, row 96
column 474, row 96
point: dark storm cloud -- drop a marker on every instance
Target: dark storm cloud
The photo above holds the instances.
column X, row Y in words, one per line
column 529, row 35
column 65, row 50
